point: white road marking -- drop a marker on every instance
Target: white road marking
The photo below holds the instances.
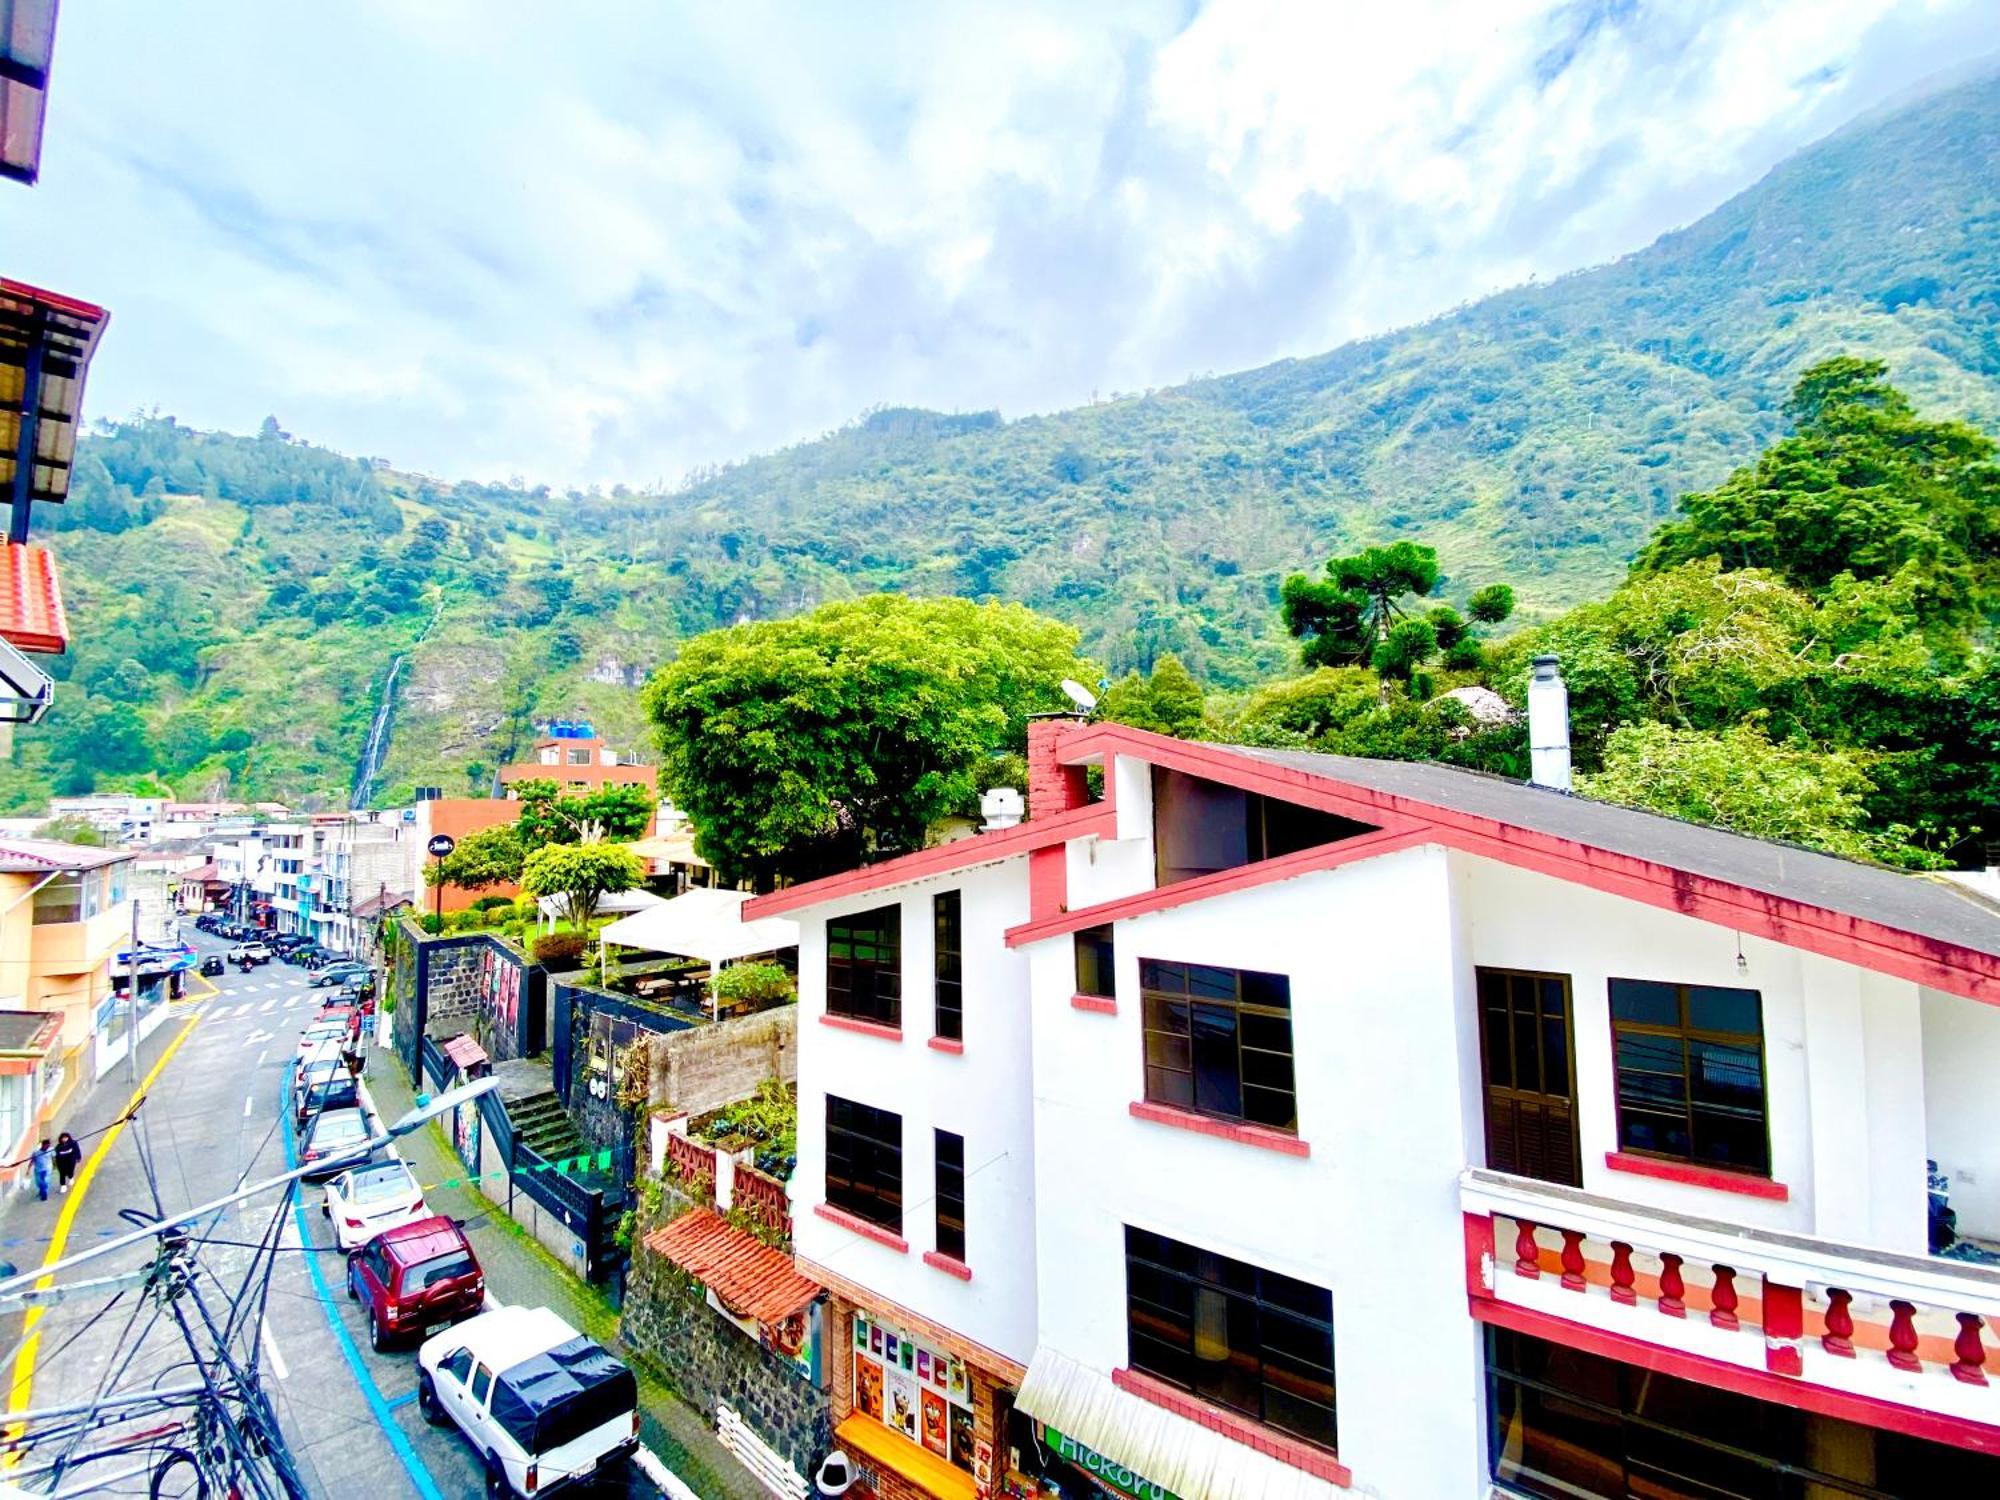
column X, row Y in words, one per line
column 262, row 1055
column 248, row 1100
column 278, row 1365
column 259, row 1035
column 266, row 1008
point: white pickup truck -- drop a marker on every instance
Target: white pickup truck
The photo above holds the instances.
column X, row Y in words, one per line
column 543, row 1406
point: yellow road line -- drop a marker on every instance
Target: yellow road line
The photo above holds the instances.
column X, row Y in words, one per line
column 21, row 1392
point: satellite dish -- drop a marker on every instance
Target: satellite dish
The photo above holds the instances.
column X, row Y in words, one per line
column 1084, row 699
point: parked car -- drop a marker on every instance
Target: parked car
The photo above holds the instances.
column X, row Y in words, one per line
column 542, row 1405
column 302, row 956
column 341, row 973
column 362, row 1202
column 323, row 1032
column 333, row 1133
column 416, row 1279
column 212, row 965
column 249, row 954
column 325, row 1086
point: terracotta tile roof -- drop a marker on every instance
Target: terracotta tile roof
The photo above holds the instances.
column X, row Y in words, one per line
column 750, row 1278
column 464, row 1051
column 31, row 606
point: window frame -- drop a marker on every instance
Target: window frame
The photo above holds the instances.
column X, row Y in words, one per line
column 1242, row 1285
column 1105, row 960
column 948, row 965
column 882, row 994
column 1153, row 1000
column 948, row 1174
column 865, row 1195
column 1687, row 1034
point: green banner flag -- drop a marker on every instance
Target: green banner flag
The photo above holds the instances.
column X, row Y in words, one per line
column 604, row 1161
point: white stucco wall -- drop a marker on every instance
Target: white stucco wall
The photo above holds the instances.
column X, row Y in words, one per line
column 1962, row 1106
column 1372, row 1214
column 982, row 1094
column 1842, row 1052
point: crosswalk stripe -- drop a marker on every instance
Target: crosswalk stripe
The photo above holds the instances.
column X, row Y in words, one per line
column 266, row 1007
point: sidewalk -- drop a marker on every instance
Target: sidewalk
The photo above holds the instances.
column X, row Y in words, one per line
column 518, row 1270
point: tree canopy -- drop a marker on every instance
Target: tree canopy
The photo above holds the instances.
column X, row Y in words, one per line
column 817, row 743
column 582, row 874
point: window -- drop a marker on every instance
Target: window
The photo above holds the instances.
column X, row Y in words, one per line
column 1096, row 967
column 1575, row 1426
column 948, row 966
column 1252, row 1340
column 482, row 1382
column 1219, row 1041
column 864, row 966
column 1200, row 827
column 950, row 1194
column 579, row 757
column 61, row 900
column 864, row 1161
column 1690, row 1065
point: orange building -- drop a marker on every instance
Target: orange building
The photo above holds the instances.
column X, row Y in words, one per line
column 577, row 764
column 457, row 817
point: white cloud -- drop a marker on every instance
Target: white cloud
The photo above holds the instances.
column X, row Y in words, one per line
column 609, row 243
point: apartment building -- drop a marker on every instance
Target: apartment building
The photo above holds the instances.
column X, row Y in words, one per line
column 1258, row 1123
column 577, row 762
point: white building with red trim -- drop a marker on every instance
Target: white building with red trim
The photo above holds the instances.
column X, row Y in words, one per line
column 1254, row 1123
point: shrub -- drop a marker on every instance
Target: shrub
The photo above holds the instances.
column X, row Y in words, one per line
column 559, row 950
column 493, row 903
column 755, row 984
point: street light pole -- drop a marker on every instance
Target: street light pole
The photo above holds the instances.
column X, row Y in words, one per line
column 132, row 997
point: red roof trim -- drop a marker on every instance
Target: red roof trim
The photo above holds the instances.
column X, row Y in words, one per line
column 982, row 848
column 1855, row 940
column 56, row 301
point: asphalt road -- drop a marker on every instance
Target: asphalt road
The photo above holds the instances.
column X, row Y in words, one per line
column 213, row 1119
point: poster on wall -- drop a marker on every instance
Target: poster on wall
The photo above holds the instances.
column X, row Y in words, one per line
column 500, row 996
column 796, row 1341
column 465, row 1134
column 612, row 1039
column 913, row 1389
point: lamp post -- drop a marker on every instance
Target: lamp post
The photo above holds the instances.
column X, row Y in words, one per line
column 439, row 849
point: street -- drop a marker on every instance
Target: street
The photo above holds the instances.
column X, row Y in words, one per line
column 215, row 1117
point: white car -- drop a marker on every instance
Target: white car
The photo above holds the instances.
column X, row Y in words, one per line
column 364, row 1201
column 321, row 1034
column 542, row 1405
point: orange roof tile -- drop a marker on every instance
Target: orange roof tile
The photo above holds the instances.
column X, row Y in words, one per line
column 31, row 606
column 750, row 1278
column 464, row 1051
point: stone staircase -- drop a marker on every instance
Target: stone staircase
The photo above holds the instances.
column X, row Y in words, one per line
column 541, row 1123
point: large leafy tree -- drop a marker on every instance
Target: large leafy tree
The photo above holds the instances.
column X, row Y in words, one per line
column 1862, row 487
column 808, row 745
column 550, row 816
column 1169, row 701
column 489, row 857
column 582, row 874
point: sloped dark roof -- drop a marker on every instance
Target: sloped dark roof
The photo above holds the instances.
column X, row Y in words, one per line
column 1929, row 906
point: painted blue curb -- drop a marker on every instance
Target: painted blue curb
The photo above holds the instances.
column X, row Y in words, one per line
column 405, row 1454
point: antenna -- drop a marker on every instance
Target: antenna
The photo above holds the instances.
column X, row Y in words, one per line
column 1084, row 699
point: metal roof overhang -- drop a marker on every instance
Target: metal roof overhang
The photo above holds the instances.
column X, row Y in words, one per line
column 27, row 43
column 46, row 342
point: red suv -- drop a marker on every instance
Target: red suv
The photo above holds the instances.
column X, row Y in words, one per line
column 415, row 1280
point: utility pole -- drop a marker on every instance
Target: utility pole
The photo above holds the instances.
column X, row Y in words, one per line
column 132, row 997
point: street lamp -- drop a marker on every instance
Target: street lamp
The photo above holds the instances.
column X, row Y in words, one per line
column 439, row 849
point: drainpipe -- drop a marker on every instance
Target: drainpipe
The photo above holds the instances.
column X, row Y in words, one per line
column 1548, row 726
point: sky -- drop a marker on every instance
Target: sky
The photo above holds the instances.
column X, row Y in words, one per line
column 612, row 243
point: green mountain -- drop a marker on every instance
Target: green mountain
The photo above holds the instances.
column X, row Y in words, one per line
column 239, row 601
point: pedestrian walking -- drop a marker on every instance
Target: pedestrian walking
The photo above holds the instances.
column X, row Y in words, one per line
column 68, row 1154
column 40, row 1165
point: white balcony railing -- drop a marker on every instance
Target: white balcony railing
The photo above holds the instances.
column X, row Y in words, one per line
column 1910, row 1330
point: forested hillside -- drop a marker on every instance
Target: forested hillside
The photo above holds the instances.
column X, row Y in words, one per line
column 238, row 600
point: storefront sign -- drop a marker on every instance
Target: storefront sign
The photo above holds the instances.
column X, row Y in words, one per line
column 1106, row 1471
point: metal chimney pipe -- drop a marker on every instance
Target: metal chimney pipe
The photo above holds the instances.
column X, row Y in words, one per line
column 1548, row 726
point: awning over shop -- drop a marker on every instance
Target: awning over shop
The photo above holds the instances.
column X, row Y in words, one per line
column 750, row 1278
column 1159, row 1450
column 26, row 1037
column 705, row 924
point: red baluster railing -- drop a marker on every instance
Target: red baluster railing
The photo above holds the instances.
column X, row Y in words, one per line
column 1970, row 1347
column 1572, row 1259
column 694, row 1162
column 1527, row 1254
column 1672, row 1288
column 1724, row 1301
column 1839, row 1337
column 1622, row 1289
column 1903, row 1336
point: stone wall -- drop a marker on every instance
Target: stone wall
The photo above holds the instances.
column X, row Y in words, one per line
column 451, row 986
column 704, row 1069
column 710, row 1359
column 472, row 982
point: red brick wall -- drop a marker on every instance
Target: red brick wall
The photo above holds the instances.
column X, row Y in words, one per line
column 1052, row 786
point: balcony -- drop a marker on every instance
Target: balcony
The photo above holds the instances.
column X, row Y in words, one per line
column 1867, row 1334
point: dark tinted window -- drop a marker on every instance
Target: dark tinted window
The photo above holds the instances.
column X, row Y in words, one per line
column 1690, row 1073
column 1219, row 1041
column 447, row 1267
column 864, row 966
column 948, row 965
column 1256, row 1341
column 951, row 1194
column 864, row 1161
column 1200, row 827
column 1096, row 967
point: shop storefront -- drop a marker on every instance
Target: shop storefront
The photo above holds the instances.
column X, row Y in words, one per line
column 1045, row 1462
column 918, row 1410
